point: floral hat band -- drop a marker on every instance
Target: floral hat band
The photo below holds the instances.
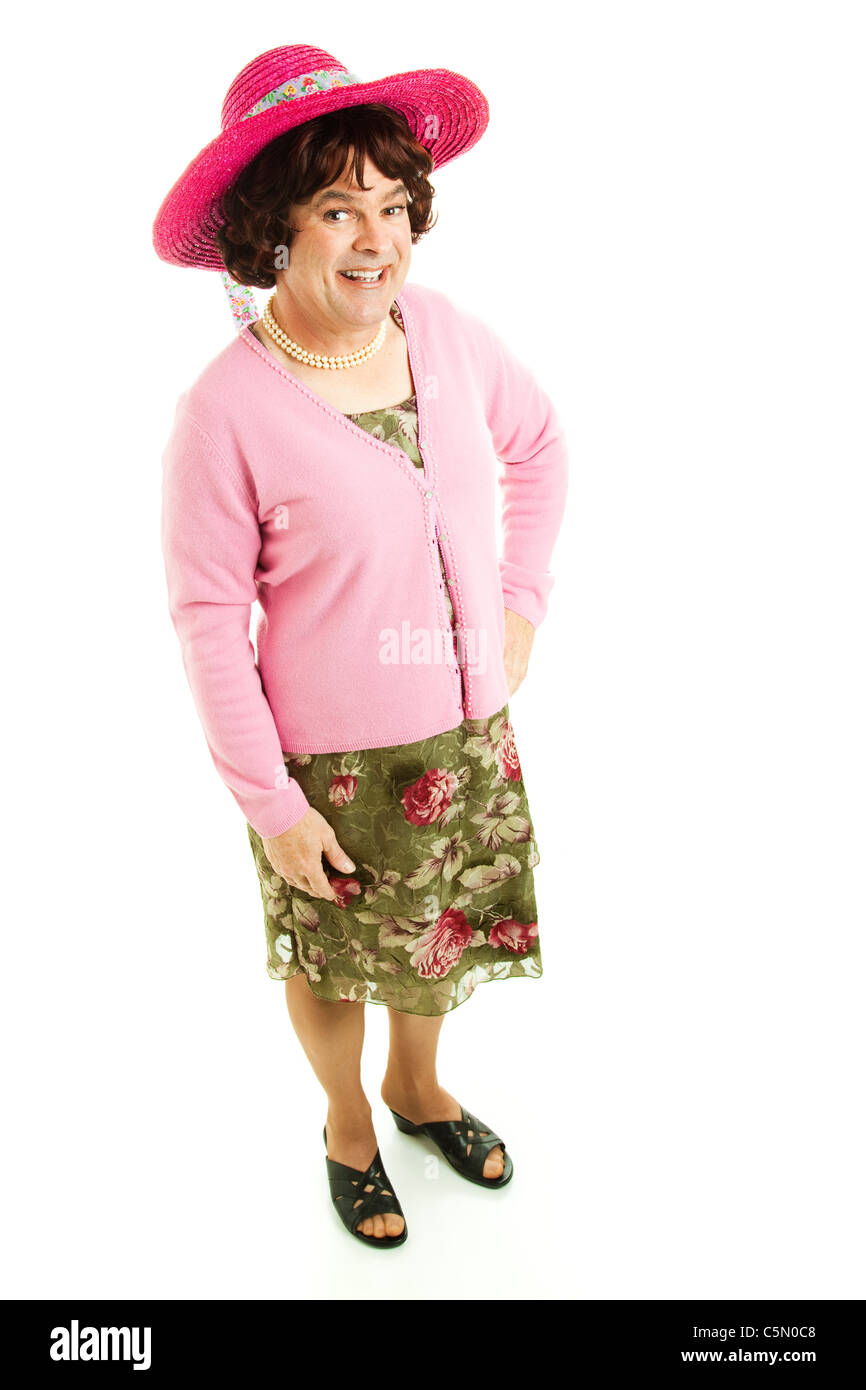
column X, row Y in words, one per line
column 303, row 86
column 273, row 94
column 242, row 301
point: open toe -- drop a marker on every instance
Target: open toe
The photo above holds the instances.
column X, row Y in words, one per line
column 358, row 1195
column 466, row 1144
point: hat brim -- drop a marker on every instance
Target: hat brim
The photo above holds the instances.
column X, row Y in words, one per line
column 432, row 100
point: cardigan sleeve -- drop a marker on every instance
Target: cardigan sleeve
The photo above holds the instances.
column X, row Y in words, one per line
column 210, row 544
column 529, row 441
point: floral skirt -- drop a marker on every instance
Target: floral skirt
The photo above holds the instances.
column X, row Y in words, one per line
column 442, row 895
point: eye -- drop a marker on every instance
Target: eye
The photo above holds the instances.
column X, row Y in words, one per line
column 335, row 212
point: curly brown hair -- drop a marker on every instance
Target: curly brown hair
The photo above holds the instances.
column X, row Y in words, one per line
column 295, row 166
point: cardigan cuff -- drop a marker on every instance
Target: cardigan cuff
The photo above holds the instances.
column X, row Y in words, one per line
column 270, row 813
column 525, row 591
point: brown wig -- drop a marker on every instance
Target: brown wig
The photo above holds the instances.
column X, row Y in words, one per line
column 295, row 166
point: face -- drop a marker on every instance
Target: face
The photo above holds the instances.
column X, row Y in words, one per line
column 340, row 229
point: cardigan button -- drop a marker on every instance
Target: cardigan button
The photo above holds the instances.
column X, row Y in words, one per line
column 428, row 495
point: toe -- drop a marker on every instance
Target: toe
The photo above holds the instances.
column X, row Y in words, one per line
column 380, row 1226
column 494, row 1164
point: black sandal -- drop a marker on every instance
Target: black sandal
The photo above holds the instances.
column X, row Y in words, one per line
column 465, row 1143
column 345, row 1182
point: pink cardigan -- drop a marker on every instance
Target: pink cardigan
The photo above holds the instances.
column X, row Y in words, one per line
column 270, row 493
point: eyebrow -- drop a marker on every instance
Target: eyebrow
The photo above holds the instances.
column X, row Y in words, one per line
column 332, row 196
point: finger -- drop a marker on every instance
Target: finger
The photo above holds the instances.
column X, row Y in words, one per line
column 320, row 885
column 336, row 855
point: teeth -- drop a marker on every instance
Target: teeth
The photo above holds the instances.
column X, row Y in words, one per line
column 363, row 274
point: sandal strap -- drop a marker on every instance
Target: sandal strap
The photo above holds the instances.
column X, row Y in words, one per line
column 348, row 1184
column 454, row 1137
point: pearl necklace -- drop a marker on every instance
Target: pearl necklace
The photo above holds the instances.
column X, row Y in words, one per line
column 315, row 359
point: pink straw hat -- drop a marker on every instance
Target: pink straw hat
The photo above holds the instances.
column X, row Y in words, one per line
column 282, row 89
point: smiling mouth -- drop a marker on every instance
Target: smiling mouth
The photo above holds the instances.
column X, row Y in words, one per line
column 365, row 277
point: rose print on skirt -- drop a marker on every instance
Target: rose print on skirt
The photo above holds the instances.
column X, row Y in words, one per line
column 442, row 896
column 428, row 798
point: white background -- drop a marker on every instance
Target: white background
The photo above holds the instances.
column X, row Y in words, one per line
column 665, row 220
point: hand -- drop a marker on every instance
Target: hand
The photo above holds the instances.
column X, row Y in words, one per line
column 519, row 636
column 296, row 855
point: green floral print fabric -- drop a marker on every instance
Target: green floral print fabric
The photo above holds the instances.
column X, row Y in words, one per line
column 442, row 896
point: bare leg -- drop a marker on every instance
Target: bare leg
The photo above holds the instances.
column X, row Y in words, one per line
column 410, row 1085
column 332, row 1036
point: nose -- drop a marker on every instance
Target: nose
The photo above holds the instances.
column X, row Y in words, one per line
column 373, row 235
